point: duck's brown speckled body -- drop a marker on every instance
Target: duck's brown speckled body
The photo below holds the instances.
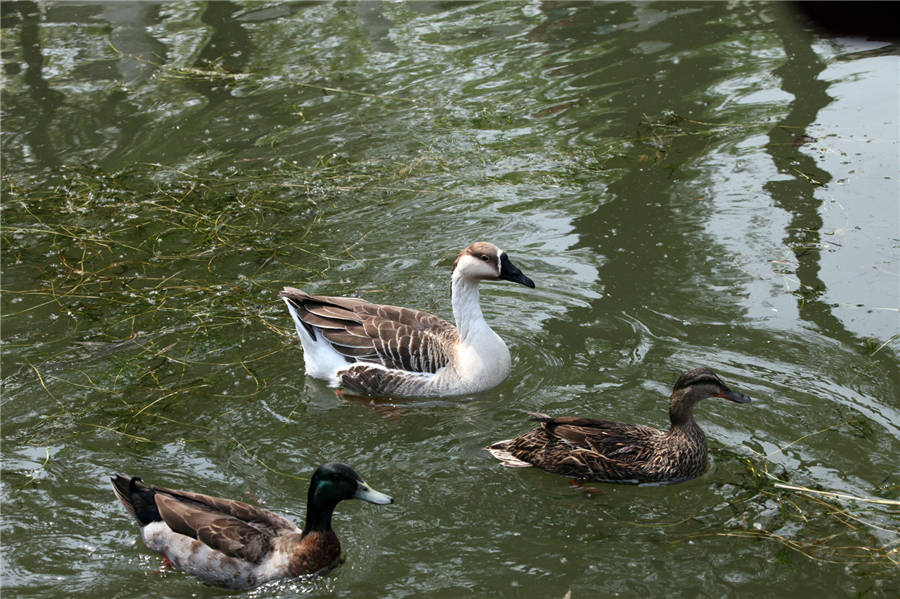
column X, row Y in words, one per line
column 604, row 450
column 236, row 545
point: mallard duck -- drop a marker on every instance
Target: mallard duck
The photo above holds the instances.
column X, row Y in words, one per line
column 607, row 451
column 376, row 349
column 232, row 544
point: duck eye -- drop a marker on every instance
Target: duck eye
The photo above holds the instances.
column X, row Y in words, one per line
column 484, row 257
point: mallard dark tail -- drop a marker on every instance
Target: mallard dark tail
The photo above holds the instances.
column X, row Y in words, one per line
column 137, row 498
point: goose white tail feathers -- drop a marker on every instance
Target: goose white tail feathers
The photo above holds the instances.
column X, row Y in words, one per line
column 380, row 349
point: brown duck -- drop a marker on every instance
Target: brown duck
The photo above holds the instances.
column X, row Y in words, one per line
column 607, row 451
column 230, row 543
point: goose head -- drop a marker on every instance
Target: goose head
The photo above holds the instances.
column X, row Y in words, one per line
column 694, row 385
column 483, row 261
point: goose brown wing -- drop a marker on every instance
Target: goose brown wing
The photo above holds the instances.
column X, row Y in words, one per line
column 392, row 336
column 372, row 380
column 235, row 528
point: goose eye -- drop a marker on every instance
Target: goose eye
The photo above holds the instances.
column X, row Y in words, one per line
column 484, row 257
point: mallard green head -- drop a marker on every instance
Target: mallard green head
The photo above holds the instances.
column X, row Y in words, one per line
column 331, row 484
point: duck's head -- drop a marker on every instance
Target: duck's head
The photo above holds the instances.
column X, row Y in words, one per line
column 483, row 261
column 335, row 482
column 697, row 384
column 331, row 484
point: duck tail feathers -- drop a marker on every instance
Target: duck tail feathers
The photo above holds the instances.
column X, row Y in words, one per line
column 538, row 417
column 499, row 451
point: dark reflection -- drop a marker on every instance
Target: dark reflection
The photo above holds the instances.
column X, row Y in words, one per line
column 103, row 126
column 799, row 76
column 228, row 48
column 139, row 52
column 654, row 255
column 228, row 44
column 875, row 20
column 376, row 25
column 797, row 195
column 658, row 268
column 45, row 99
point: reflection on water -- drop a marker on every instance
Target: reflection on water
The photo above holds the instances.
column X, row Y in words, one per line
column 686, row 183
column 795, row 191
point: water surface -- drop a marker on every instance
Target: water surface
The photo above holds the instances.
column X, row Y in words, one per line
column 687, row 183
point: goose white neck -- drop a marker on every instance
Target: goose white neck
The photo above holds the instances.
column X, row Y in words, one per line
column 466, row 306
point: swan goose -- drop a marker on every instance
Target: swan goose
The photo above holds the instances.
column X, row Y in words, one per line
column 378, row 349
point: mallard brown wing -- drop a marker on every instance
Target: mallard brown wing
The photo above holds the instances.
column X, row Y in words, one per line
column 235, row 528
column 259, row 517
column 393, row 336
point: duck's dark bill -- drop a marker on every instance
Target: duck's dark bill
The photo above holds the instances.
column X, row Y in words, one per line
column 734, row 396
column 509, row 272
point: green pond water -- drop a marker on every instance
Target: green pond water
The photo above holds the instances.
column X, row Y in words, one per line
column 686, row 183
